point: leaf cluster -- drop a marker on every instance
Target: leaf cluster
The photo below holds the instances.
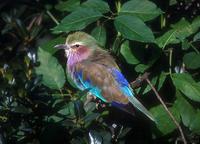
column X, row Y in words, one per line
column 39, row 102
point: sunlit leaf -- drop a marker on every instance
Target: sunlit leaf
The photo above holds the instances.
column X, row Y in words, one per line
column 182, row 29
column 164, row 122
column 141, row 68
column 99, row 5
column 197, row 37
column 77, row 20
column 127, row 53
column 190, row 117
column 179, row 32
column 133, row 28
column 186, row 85
column 144, row 9
column 167, row 38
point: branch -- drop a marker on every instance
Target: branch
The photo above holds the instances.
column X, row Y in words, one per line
column 52, row 17
column 167, row 110
column 137, row 83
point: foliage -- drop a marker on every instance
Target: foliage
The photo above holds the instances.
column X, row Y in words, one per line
column 39, row 103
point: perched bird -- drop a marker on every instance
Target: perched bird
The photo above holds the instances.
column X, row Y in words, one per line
column 93, row 68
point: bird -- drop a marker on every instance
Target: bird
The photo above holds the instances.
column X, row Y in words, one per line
column 92, row 68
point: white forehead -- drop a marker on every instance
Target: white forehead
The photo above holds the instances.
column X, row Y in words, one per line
column 76, row 43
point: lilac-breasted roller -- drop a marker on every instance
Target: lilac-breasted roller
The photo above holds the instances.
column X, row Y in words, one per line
column 94, row 69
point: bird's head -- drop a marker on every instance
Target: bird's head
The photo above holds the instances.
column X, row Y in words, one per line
column 78, row 44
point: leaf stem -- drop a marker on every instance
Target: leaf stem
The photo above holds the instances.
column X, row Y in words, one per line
column 118, row 5
column 162, row 21
column 116, row 44
column 195, row 49
column 52, row 17
column 170, row 60
column 168, row 111
column 61, row 92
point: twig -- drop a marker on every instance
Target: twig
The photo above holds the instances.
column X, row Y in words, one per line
column 52, row 17
column 167, row 110
column 139, row 80
column 61, row 92
column 195, row 49
column 170, row 61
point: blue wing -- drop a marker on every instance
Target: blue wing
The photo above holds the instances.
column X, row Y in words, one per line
column 108, row 84
column 87, row 84
column 125, row 88
column 122, row 82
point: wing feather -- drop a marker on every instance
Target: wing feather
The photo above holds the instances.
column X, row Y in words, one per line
column 100, row 81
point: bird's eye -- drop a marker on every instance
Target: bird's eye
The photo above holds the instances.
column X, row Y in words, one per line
column 77, row 45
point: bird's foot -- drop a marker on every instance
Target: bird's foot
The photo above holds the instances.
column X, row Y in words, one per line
column 139, row 80
column 89, row 98
column 92, row 98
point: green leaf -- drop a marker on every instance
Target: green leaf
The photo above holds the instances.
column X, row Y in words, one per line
column 161, row 80
column 98, row 5
column 196, row 37
column 167, row 38
column 195, row 126
column 185, row 108
column 90, row 117
column 127, row 53
column 144, row 9
column 183, row 29
column 172, row 2
column 70, row 80
column 70, row 5
column 53, row 75
column 141, row 68
column 49, row 45
column 156, row 81
column 89, row 107
column 148, row 88
column 192, row 60
column 196, row 24
column 190, row 117
column 185, row 45
column 21, row 109
column 99, row 33
column 179, row 32
column 187, row 85
column 164, row 122
column 78, row 109
column 77, row 20
column 133, row 28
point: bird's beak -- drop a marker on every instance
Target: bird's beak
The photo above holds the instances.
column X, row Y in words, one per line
column 61, row 46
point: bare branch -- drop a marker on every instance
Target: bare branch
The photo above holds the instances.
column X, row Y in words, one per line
column 167, row 110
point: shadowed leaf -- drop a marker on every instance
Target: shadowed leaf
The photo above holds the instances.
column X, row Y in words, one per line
column 133, row 28
column 99, row 33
